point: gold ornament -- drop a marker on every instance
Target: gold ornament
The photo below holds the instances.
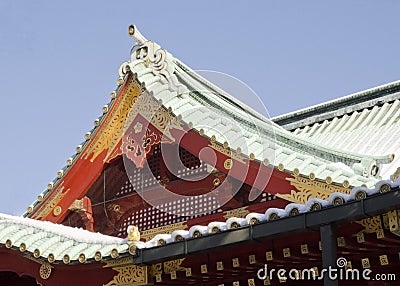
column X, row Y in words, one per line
column 132, row 275
column 57, row 210
column 133, row 233
column 228, row 164
column 45, row 271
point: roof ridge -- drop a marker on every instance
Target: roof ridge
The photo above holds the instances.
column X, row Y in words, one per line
column 339, row 106
column 363, row 159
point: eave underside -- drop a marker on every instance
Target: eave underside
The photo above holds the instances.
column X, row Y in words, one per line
column 235, row 256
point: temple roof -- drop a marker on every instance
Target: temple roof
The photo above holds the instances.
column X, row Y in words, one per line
column 56, row 242
column 367, row 122
column 63, row 244
column 215, row 114
column 340, row 106
column 229, row 123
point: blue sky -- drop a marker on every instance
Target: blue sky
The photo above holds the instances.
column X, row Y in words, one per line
column 59, row 61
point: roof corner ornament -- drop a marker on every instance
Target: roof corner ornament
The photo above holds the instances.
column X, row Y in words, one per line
column 154, row 57
column 136, row 35
column 367, row 167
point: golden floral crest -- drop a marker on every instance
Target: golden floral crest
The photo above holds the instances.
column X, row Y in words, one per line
column 307, row 189
column 132, row 275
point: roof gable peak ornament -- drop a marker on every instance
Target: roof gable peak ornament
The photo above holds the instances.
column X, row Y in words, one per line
column 154, row 57
column 136, row 35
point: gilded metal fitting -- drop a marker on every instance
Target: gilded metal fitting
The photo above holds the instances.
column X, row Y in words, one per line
column 50, row 186
column 66, row 259
column 113, row 94
column 60, row 173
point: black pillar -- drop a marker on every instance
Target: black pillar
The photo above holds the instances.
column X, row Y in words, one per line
column 329, row 251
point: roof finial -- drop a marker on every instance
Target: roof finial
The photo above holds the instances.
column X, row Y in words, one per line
column 136, row 35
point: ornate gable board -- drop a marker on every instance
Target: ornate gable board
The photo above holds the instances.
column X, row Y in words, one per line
column 134, row 123
column 83, row 169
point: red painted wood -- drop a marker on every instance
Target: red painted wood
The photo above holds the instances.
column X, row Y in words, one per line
column 250, row 172
column 91, row 274
column 84, row 172
column 80, row 177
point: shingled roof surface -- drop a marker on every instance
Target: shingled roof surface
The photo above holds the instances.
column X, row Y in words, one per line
column 367, row 122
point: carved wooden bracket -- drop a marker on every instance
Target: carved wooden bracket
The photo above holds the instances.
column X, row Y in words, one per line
column 132, row 275
column 84, row 208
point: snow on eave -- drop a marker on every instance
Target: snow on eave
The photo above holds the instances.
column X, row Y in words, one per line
column 76, row 234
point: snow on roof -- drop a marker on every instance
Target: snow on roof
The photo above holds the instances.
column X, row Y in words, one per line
column 168, row 80
column 79, row 235
column 56, row 242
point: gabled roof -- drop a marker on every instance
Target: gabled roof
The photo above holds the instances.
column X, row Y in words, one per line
column 367, row 122
column 215, row 114
column 223, row 120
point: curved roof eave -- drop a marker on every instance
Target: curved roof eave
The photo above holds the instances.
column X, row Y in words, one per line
column 170, row 82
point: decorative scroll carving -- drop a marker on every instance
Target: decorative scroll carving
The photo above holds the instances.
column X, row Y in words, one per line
column 157, row 115
column 157, row 59
column 57, row 211
column 119, row 262
column 123, row 118
column 306, row 184
column 136, row 146
column 308, row 189
column 230, row 153
column 139, row 137
column 132, row 275
column 371, row 225
column 240, row 212
column 52, row 202
column 155, row 269
column 174, row 265
column 302, row 197
column 113, row 127
column 168, row 229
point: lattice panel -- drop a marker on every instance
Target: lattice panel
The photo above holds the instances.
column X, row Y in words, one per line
column 265, row 197
column 193, row 164
column 153, row 217
column 190, row 161
column 154, row 165
column 140, row 179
